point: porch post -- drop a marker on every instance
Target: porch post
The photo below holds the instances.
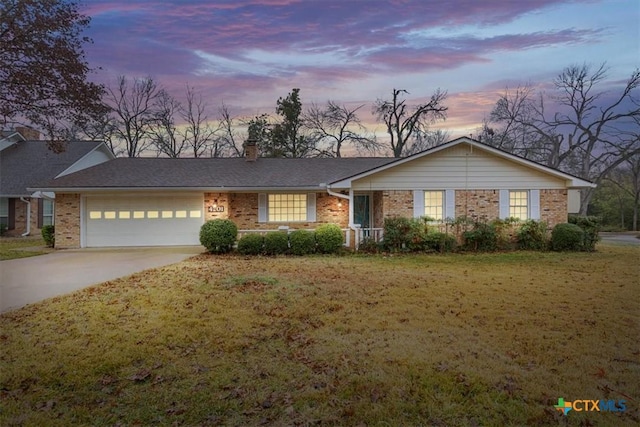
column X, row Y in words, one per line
column 351, row 208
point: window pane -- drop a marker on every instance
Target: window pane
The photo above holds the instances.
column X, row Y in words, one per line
column 47, row 207
column 167, row 214
column 152, row 214
column 287, row 207
column 181, row 214
column 138, row 214
column 434, row 204
column 519, row 204
column 4, row 206
column 110, row 215
column 194, row 214
column 47, row 220
column 124, row 215
column 95, row 215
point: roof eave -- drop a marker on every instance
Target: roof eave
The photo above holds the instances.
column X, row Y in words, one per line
column 318, row 188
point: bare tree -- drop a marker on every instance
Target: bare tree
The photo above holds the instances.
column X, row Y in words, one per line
column 336, row 125
column 587, row 132
column 164, row 135
column 135, row 108
column 198, row 133
column 228, row 141
column 405, row 123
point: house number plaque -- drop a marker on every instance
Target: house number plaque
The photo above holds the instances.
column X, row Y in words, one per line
column 216, row 209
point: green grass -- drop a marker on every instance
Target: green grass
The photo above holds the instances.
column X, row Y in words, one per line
column 14, row 247
column 488, row 339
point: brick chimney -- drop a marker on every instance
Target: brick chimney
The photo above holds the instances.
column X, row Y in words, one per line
column 28, row 133
column 251, row 150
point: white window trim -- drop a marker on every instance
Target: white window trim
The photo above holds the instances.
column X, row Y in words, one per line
column 533, row 203
column 263, row 208
column 448, row 203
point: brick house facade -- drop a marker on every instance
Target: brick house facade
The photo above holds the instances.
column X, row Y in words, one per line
column 469, row 179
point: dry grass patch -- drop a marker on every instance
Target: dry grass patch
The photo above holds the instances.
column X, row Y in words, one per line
column 414, row 340
column 21, row 247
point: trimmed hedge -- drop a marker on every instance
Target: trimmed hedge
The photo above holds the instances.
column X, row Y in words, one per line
column 439, row 242
column 567, row 237
column 329, row 238
column 49, row 235
column 591, row 227
column 532, row 235
column 276, row 243
column 302, row 242
column 251, row 244
column 218, row 235
column 483, row 238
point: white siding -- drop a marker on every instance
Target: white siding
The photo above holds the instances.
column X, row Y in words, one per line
column 573, row 201
column 91, row 159
column 459, row 168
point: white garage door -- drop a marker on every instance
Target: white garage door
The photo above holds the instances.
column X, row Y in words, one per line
column 143, row 221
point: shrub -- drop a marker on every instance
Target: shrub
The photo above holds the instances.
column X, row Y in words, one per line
column 329, row 238
column 405, row 234
column 3, row 228
column 439, row 242
column 49, row 235
column 251, row 244
column 505, row 233
column 483, row 237
column 303, row 242
column 218, row 235
column 567, row 237
column 368, row 245
column 590, row 225
column 532, row 235
column 276, row 243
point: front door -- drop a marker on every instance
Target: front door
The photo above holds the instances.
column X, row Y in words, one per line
column 362, row 211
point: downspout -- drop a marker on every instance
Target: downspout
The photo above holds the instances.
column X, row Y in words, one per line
column 26, row 233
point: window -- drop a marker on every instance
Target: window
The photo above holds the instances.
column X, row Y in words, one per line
column 124, row 215
column 287, row 207
column 434, row 205
column 519, row 204
column 47, row 212
column 4, row 211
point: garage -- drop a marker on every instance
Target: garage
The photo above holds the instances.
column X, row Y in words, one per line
column 143, row 220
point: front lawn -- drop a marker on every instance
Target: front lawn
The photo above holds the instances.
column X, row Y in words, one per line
column 482, row 339
column 21, row 247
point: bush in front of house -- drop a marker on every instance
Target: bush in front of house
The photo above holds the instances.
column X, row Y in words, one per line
column 532, row 235
column 403, row 234
column 302, row 242
column 590, row 225
column 276, row 243
column 368, row 245
column 49, row 235
column 483, row 238
column 218, row 235
column 251, row 244
column 329, row 238
column 437, row 241
column 567, row 237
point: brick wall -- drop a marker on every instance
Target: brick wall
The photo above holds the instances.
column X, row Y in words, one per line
column 397, row 203
column 67, row 212
column 20, row 218
column 216, row 206
column 243, row 210
column 553, row 206
column 482, row 205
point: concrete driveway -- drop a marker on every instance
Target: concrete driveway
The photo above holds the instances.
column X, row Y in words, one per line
column 628, row 238
column 28, row 280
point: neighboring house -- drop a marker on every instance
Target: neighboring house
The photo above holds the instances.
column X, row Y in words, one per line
column 157, row 201
column 26, row 161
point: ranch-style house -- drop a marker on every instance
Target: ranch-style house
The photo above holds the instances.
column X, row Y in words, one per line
column 161, row 201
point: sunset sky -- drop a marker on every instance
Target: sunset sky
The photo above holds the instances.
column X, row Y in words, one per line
column 249, row 53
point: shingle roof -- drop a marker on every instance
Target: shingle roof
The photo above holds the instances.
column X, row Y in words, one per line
column 30, row 163
column 215, row 173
